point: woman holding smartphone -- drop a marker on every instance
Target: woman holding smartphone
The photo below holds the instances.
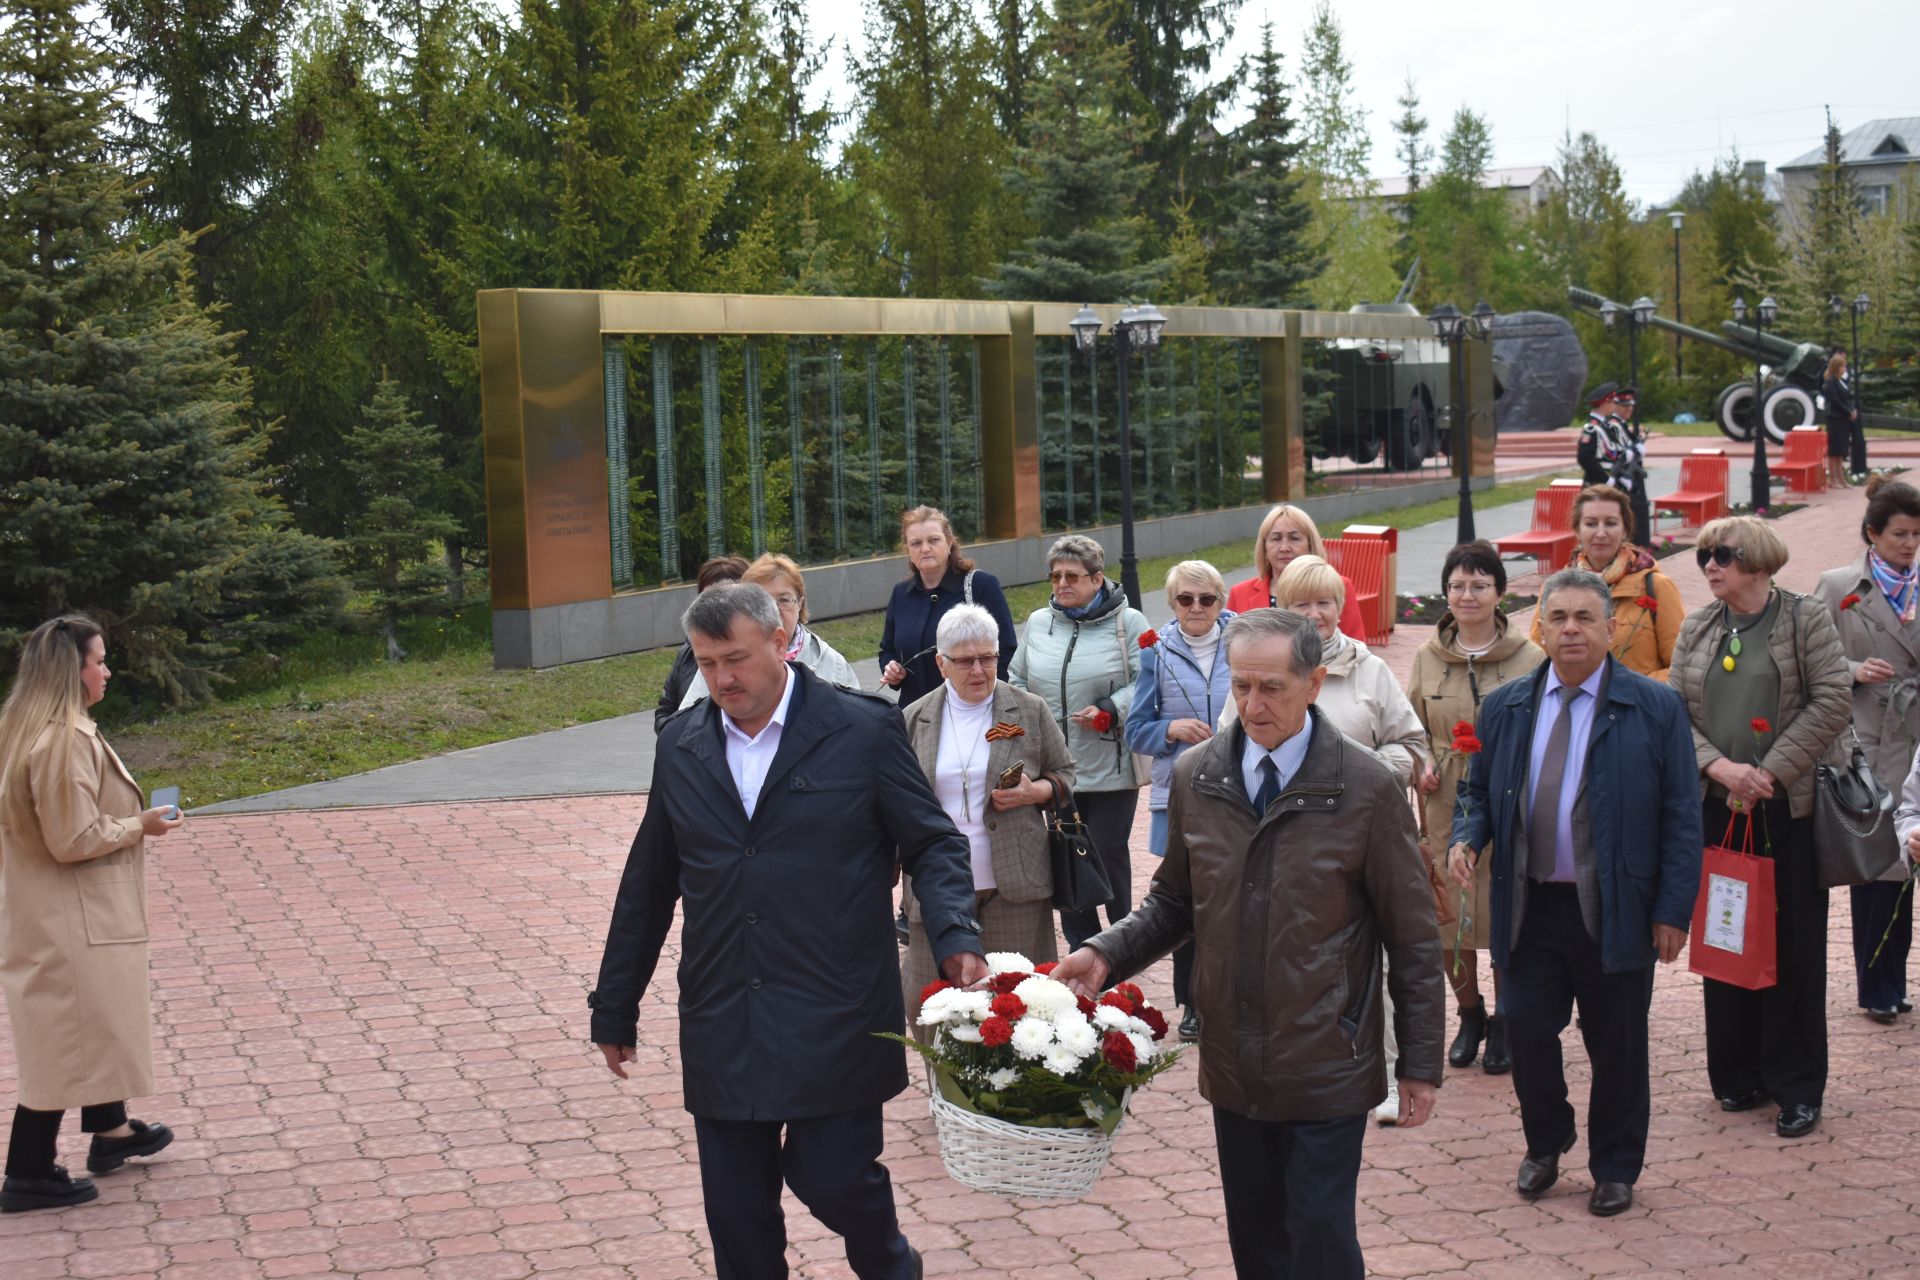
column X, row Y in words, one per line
column 995, row 757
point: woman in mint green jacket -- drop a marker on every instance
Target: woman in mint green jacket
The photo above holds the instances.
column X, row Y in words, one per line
column 1082, row 653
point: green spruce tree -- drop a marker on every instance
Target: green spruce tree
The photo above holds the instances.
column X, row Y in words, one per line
column 129, row 466
column 393, row 459
column 1267, row 255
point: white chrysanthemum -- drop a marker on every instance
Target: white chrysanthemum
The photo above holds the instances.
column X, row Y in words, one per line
column 1143, row 1049
column 938, row 1008
column 1077, row 1034
column 1046, row 998
column 1032, row 1037
column 1061, row 1061
column 974, row 1006
column 1007, row 962
column 1138, row 1027
column 1004, row 1078
column 965, row 1033
column 1108, row 1018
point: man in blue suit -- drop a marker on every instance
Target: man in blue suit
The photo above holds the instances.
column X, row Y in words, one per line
column 1587, row 788
column 777, row 811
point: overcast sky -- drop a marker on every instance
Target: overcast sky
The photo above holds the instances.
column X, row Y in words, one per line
column 1667, row 85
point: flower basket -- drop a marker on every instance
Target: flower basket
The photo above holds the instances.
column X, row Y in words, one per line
column 1005, row 1159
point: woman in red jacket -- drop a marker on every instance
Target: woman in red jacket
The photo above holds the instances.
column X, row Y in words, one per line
column 1285, row 533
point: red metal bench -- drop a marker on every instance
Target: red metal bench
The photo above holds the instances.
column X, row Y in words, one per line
column 1805, row 462
column 1702, row 495
column 1363, row 561
column 1550, row 541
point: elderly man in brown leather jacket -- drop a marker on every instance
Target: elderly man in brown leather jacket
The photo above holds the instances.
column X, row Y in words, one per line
column 1291, row 861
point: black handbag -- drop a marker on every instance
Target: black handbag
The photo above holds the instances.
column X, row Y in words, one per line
column 1079, row 880
column 1853, row 837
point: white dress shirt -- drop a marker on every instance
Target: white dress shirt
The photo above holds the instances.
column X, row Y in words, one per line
column 749, row 758
column 963, row 753
column 1287, row 758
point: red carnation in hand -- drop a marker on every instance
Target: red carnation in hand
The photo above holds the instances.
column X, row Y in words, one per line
column 995, row 1032
column 1149, row 638
column 1002, row 983
column 1155, row 1019
column 1118, row 1051
column 1086, row 1005
column 1009, row 1006
column 1135, row 996
column 1102, row 721
column 933, row 989
column 1462, row 728
column 1648, row 603
column 1114, row 1000
column 1851, row 600
column 1760, row 725
column 1044, row 969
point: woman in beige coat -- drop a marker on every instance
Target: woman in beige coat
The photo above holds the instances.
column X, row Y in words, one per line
column 73, row 920
column 967, row 733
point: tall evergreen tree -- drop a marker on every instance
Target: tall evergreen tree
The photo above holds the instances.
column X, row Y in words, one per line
column 1267, row 255
column 1080, row 180
column 393, row 459
column 1015, row 23
column 1171, row 48
column 1411, row 147
column 129, row 481
column 1466, row 233
column 1354, row 232
column 1824, row 241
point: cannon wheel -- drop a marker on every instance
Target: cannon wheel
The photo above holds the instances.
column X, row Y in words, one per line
column 1410, row 440
column 1785, row 408
column 1733, row 411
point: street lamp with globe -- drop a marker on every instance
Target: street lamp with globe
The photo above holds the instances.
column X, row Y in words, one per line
column 1452, row 329
column 1139, row 327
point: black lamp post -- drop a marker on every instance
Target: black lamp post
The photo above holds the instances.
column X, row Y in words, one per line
column 1453, row 329
column 1138, row 326
column 1763, row 315
column 1676, row 217
column 1857, row 366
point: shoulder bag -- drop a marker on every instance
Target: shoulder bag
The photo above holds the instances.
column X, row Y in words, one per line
column 1853, row 836
column 1079, row 881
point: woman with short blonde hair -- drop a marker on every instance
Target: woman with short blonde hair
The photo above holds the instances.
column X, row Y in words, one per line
column 1286, row 532
column 781, row 578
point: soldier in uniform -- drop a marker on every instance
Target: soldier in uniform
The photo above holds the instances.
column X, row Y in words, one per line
column 1611, row 448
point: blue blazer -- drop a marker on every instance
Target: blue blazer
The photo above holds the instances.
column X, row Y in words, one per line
column 913, row 619
column 1643, row 799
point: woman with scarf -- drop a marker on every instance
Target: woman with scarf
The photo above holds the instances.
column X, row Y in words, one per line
column 1875, row 601
column 1184, row 684
column 1646, row 604
column 1473, row 651
column 1081, row 653
column 783, row 581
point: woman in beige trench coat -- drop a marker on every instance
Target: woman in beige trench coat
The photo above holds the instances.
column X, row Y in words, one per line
column 73, row 920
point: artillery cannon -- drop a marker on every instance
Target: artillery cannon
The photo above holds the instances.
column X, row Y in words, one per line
column 1793, row 372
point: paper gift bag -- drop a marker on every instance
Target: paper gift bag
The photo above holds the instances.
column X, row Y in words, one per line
column 1735, row 927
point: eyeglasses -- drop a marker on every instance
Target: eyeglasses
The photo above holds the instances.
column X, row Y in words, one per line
column 1721, row 555
column 1469, row 588
column 971, row 664
column 1065, row 578
column 787, row 601
column 1186, row 599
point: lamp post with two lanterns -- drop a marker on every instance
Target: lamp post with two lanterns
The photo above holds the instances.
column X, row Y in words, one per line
column 1638, row 316
column 1763, row 315
column 1857, row 463
column 1453, row 329
column 1676, row 217
column 1138, row 326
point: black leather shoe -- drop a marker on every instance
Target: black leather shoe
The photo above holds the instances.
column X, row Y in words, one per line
column 107, row 1154
column 1190, row 1024
column 1609, row 1198
column 1745, row 1100
column 1495, row 1061
column 56, row 1191
column 1886, row 1016
column 1539, row 1173
column 1903, row 1006
column 1466, row 1041
column 1797, row 1120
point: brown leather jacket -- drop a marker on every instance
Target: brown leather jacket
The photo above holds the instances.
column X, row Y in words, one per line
column 1288, row 915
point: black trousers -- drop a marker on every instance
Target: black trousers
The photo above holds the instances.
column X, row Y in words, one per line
column 1776, row 1039
column 1290, row 1188
column 1883, row 909
column 1555, row 966
column 1183, row 974
column 35, row 1140
column 832, row 1163
column 1109, row 819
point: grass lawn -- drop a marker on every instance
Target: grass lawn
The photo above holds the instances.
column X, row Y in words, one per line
column 1708, row 429
column 332, row 707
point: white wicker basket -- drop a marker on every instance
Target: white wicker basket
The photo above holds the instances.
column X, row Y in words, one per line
column 1013, row 1160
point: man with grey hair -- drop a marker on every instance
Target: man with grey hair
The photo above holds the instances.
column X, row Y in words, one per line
column 1587, row 789
column 1291, row 862
column 777, row 810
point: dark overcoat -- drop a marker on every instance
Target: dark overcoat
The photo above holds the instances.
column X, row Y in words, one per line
column 788, row 963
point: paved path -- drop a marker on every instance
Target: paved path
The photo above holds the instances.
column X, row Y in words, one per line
column 370, row 1027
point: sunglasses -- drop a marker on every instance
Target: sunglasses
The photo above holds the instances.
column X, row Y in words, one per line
column 1722, row 555
column 1186, row 599
column 1066, row 579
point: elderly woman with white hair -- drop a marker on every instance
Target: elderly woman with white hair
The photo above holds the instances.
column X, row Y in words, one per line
column 995, row 757
column 1184, row 685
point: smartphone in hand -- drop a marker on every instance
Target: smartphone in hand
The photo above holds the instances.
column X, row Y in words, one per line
column 167, row 798
column 1013, row 775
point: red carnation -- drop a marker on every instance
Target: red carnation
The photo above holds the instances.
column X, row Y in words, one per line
column 1149, row 638
column 1760, row 725
column 933, row 989
column 1648, row 603
column 1118, row 1051
column 1135, row 996
column 1467, row 745
column 1044, row 969
column 1114, row 1000
column 995, row 1032
column 1851, row 600
column 1086, row 1005
column 1155, row 1019
column 1102, row 721
column 1009, row 1006
column 1002, row 983
column 1463, row 728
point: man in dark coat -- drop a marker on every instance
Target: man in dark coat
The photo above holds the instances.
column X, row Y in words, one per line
column 1587, row 787
column 777, row 811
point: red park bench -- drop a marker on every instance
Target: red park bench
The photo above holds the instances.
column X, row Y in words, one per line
column 1805, row 463
column 1550, row 540
column 1364, row 563
column 1702, row 495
